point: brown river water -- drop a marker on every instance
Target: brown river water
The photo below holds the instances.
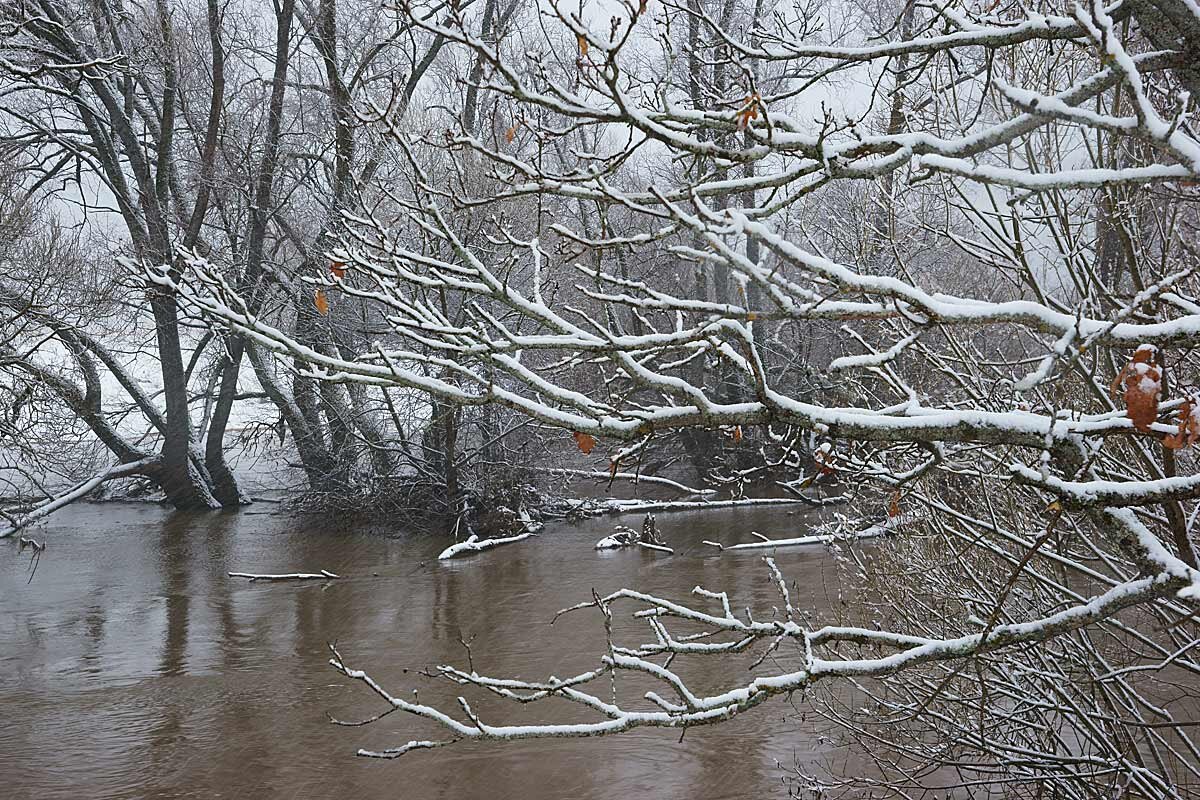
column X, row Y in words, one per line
column 133, row 667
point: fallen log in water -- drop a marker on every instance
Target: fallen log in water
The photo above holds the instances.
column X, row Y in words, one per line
column 474, row 544
column 627, row 537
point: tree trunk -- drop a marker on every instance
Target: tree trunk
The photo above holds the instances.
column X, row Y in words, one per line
column 225, row 486
column 184, row 485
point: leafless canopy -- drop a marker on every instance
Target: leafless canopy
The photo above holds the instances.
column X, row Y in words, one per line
column 975, row 222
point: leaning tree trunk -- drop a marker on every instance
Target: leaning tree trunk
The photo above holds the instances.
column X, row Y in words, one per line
column 225, row 485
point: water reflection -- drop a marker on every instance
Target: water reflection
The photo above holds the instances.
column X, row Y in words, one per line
column 134, row 667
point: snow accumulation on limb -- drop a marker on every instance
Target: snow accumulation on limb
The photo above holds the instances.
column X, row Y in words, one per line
column 1111, row 493
column 562, row 408
column 800, row 295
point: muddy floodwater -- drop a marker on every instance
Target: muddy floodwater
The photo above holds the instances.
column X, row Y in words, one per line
column 133, row 667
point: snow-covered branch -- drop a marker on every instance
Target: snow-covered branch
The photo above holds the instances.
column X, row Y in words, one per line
column 77, row 492
column 683, row 708
column 966, row 294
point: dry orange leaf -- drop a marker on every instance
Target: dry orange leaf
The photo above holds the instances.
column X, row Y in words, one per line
column 823, row 458
column 748, row 112
column 1188, row 420
column 585, row 441
column 338, row 269
column 510, row 134
column 1141, row 380
column 894, row 505
column 583, row 44
column 737, row 433
column 321, row 302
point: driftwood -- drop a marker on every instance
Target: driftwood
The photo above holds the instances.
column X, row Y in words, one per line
column 648, row 538
column 474, row 544
column 323, row 575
